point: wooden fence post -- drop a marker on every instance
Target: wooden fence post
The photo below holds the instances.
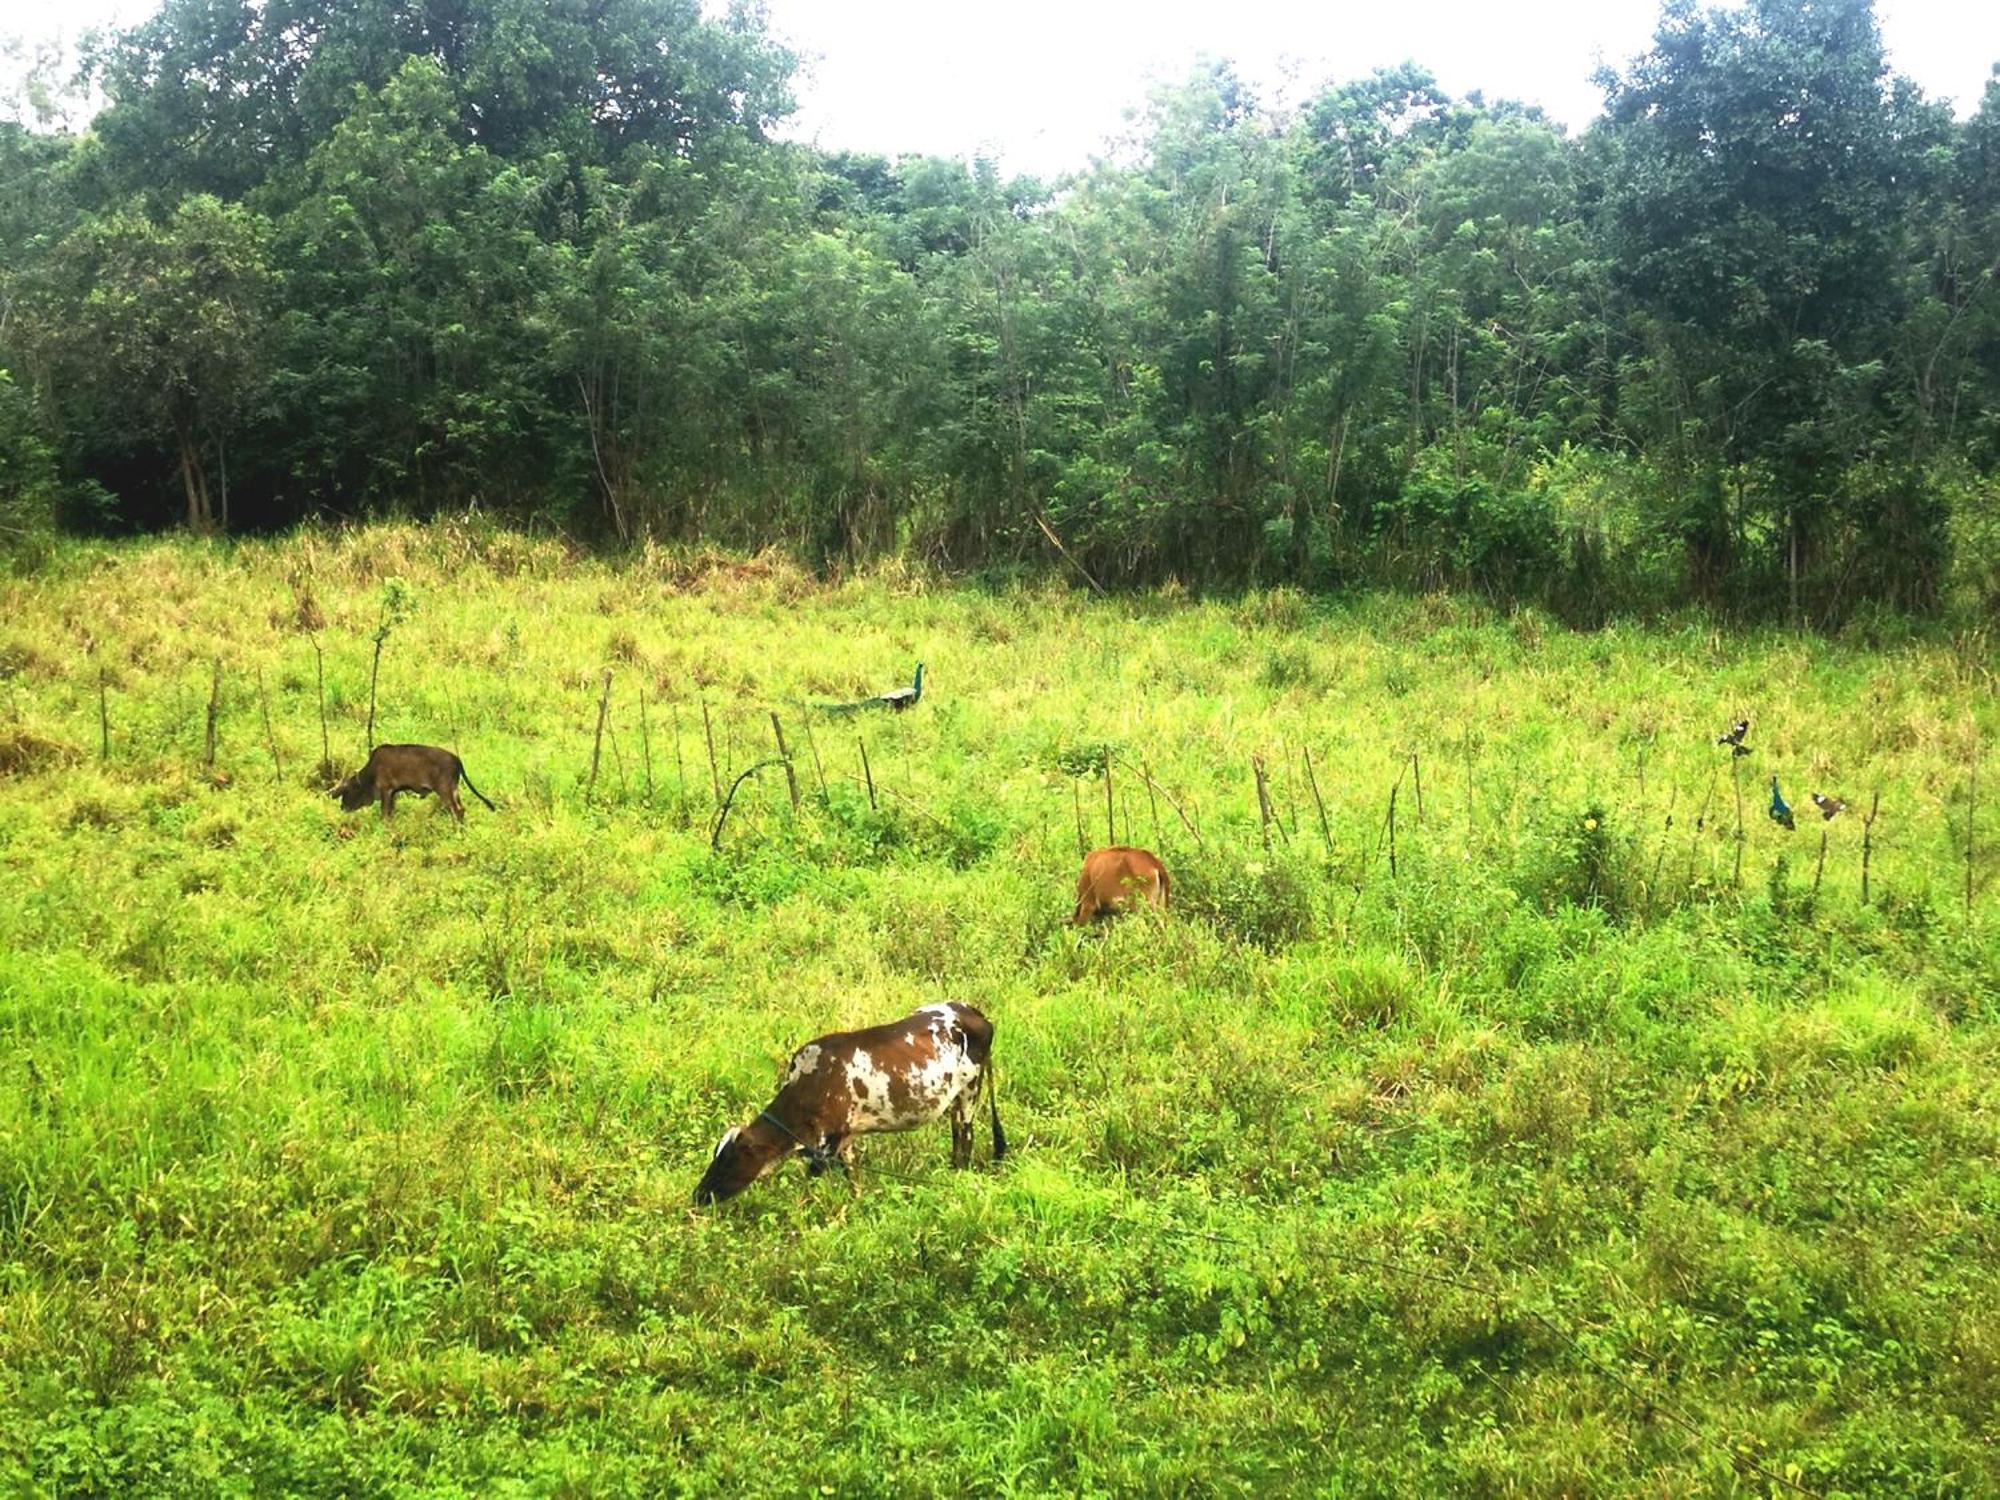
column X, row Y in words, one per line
column 791, row 777
column 597, row 744
column 214, row 711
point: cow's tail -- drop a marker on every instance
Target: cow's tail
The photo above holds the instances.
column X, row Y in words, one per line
column 1164, row 884
column 993, row 1109
column 473, row 789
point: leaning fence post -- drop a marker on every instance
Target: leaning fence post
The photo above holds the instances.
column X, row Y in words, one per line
column 867, row 775
column 1312, row 780
column 597, row 744
column 1110, row 806
column 791, row 776
column 325, row 745
column 270, row 739
column 708, row 734
column 819, row 771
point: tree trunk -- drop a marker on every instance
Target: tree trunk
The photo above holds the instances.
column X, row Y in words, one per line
column 201, row 519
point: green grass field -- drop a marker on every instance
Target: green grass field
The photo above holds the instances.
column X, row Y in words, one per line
column 347, row 1159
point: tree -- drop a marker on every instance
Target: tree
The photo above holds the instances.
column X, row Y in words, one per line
column 1762, row 168
column 157, row 330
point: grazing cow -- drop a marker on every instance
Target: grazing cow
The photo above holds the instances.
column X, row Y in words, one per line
column 421, row 769
column 1118, row 879
column 892, row 1077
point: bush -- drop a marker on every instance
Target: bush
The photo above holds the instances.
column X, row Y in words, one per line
column 1574, row 858
column 1266, row 901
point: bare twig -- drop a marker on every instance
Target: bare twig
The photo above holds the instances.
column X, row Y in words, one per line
column 680, row 765
column 1312, row 781
column 867, row 774
column 1868, row 840
column 1263, row 801
column 1700, row 822
column 1736, row 778
column 715, row 834
column 214, row 711
column 1971, row 818
column 1110, row 807
column 1186, row 821
column 1666, row 833
column 325, row 745
column 597, row 744
column 1056, row 541
column 708, row 734
column 819, row 770
column 1076, row 797
column 270, row 739
column 646, row 743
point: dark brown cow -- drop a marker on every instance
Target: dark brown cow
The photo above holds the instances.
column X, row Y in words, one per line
column 892, row 1077
column 1118, row 879
column 422, row 769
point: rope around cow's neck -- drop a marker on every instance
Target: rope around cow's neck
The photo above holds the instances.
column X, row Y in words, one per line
column 818, row 1155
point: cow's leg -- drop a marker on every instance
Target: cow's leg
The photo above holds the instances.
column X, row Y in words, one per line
column 451, row 801
column 388, row 803
column 961, row 1129
column 843, row 1154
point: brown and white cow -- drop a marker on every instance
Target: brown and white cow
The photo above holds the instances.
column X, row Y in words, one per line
column 1118, row 879
column 896, row 1076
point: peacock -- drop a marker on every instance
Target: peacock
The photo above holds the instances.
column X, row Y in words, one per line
column 1828, row 806
column 1734, row 739
column 902, row 698
column 1781, row 811
column 896, row 698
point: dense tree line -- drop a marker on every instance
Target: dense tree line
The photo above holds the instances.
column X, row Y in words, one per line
column 1739, row 341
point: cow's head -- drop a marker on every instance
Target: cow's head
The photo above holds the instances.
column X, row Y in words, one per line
column 353, row 792
column 745, row 1153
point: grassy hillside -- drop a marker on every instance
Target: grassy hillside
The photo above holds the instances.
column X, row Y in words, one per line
column 344, row 1158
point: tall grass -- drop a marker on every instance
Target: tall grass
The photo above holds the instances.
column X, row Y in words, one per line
column 343, row 1157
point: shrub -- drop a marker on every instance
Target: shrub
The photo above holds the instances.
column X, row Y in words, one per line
column 1264, row 901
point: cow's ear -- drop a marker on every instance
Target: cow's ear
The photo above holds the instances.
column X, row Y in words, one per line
column 727, row 1136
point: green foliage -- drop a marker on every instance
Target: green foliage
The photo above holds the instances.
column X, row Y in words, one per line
column 1734, row 344
column 28, row 482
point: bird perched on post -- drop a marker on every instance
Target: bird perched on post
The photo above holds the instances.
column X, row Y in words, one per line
column 1734, row 739
column 1781, row 811
column 1828, row 806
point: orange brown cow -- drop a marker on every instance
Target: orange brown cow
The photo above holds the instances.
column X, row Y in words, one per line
column 896, row 1076
column 1118, row 879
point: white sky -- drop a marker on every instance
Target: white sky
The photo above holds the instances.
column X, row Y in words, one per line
column 1043, row 84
